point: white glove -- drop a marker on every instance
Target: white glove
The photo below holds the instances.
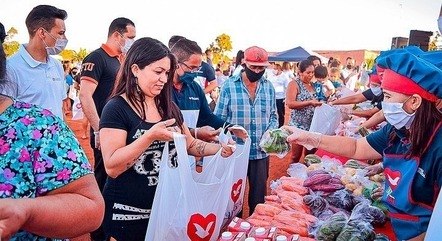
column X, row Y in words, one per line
column 374, row 169
column 307, row 139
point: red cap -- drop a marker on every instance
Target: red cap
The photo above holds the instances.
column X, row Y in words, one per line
column 256, row 56
column 374, row 78
column 401, row 84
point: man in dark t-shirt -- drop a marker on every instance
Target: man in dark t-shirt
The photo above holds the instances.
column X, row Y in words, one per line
column 98, row 73
column 206, row 77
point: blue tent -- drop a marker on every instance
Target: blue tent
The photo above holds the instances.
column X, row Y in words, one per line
column 295, row 55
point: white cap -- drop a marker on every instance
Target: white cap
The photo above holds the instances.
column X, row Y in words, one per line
column 245, row 225
column 250, row 239
column 281, row 238
column 226, row 235
column 260, row 231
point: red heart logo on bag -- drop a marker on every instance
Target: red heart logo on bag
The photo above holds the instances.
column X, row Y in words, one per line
column 392, row 177
column 236, row 190
column 201, row 228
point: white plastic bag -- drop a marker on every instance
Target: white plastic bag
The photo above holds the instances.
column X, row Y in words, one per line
column 325, row 119
column 191, row 119
column 238, row 184
column 77, row 111
column 185, row 209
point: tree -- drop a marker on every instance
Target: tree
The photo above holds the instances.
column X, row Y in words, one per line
column 80, row 55
column 10, row 45
column 434, row 40
column 220, row 47
column 74, row 56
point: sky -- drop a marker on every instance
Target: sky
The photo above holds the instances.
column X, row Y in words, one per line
column 274, row 25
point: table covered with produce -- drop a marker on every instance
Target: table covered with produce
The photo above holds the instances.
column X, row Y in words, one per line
column 325, row 200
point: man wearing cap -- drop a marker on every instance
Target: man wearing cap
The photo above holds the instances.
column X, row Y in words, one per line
column 410, row 144
column 249, row 100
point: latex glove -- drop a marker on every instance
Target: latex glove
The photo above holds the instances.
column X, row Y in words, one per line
column 307, row 139
column 207, row 133
column 239, row 132
column 374, row 169
column 377, row 193
column 345, row 113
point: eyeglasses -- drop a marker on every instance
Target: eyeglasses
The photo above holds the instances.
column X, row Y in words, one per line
column 193, row 69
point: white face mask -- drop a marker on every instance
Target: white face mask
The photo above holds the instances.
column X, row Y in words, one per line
column 127, row 45
column 396, row 115
column 376, row 90
column 60, row 44
column 439, row 22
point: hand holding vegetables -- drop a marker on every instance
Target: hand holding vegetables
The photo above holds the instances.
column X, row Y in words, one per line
column 374, row 169
column 307, row 139
column 275, row 142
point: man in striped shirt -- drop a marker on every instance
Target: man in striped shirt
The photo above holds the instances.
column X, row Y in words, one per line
column 248, row 99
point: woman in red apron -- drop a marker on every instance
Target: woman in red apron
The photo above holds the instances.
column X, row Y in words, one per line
column 410, row 144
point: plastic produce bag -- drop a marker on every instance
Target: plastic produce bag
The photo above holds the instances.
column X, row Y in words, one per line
column 363, row 211
column 332, row 227
column 77, row 111
column 186, row 209
column 316, row 203
column 297, row 170
column 274, row 142
column 341, row 199
column 325, row 119
column 356, row 231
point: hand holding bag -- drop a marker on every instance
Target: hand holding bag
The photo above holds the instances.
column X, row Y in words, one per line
column 186, row 209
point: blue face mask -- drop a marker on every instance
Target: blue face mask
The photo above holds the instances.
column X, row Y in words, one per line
column 439, row 22
column 188, row 77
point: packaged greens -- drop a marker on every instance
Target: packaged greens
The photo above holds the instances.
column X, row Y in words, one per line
column 356, row 230
column 331, row 228
column 274, row 142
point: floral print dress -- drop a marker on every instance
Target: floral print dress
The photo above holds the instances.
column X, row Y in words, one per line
column 38, row 154
column 302, row 118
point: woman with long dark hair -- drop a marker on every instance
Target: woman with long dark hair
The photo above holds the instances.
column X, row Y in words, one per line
column 135, row 124
column 410, row 144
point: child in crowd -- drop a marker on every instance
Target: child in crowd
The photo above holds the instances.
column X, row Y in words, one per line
column 323, row 87
column 335, row 77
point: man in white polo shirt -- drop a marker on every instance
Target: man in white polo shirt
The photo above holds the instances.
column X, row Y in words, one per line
column 34, row 76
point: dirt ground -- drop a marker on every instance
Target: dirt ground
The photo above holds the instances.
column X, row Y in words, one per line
column 278, row 167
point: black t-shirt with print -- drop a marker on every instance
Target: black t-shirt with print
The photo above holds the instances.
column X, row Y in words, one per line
column 99, row 66
column 129, row 197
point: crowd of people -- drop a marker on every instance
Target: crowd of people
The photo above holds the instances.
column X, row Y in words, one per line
column 137, row 92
